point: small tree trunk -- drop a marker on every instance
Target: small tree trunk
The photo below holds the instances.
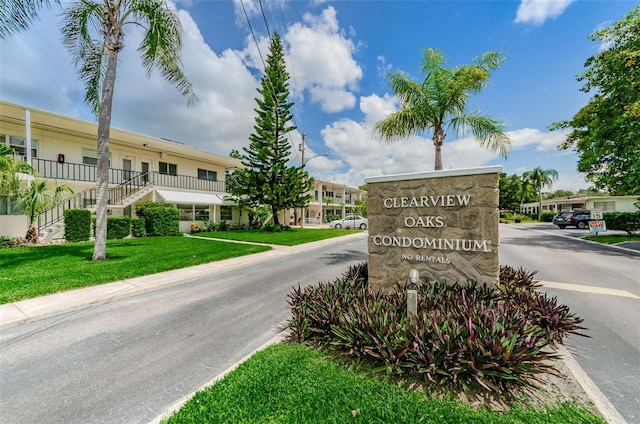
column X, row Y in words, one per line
column 274, row 212
column 32, row 234
column 539, row 204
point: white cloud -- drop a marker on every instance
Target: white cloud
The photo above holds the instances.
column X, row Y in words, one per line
column 544, row 141
column 538, row 11
column 367, row 155
column 322, row 61
column 223, row 117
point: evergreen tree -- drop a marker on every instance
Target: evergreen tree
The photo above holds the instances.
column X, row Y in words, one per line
column 267, row 180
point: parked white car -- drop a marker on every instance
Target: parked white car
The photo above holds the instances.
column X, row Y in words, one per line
column 350, row 221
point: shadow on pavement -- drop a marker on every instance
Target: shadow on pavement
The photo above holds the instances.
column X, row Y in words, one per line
column 342, row 257
column 535, row 238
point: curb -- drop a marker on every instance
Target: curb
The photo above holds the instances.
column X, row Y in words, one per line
column 600, row 401
column 180, row 402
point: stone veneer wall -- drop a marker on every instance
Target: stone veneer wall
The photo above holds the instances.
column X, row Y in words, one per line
column 442, row 223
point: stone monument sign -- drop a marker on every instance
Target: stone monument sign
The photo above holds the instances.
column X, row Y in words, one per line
column 444, row 224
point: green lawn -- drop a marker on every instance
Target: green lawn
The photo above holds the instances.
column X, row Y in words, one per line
column 34, row 271
column 292, row 237
column 288, row 383
column 612, row 239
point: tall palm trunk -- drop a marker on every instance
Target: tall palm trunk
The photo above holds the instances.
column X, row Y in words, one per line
column 438, row 141
column 539, row 203
column 102, row 178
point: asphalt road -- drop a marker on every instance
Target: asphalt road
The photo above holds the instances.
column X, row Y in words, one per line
column 595, row 281
column 129, row 360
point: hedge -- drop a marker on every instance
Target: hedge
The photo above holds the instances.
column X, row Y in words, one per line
column 625, row 221
column 138, row 227
column 77, row 225
column 118, row 227
column 162, row 221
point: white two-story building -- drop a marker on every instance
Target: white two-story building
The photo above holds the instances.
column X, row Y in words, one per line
column 141, row 168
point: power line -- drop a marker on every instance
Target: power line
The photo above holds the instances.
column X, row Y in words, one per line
column 266, row 24
column 264, row 65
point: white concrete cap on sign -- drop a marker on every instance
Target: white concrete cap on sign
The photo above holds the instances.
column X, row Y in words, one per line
column 436, row 174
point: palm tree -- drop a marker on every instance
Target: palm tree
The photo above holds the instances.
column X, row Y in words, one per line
column 525, row 191
column 17, row 15
column 9, row 170
column 540, row 178
column 439, row 102
column 35, row 199
column 93, row 32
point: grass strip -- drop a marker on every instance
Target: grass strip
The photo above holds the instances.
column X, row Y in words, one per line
column 291, row 237
column 35, row 271
column 288, row 383
column 612, row 239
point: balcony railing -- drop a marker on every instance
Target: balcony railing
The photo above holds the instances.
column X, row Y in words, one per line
column 87, row 173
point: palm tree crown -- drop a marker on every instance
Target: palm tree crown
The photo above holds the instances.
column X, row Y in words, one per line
column 540, row 178
column 439, row 102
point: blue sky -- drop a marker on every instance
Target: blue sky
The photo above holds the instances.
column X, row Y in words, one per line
column 338, row 53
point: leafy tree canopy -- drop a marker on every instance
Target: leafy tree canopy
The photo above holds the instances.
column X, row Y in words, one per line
column 606, row 132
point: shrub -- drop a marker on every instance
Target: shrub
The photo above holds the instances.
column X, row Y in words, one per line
column 195, row 228
column 271, row 228
column 118, row 227
column 7, row 242
column 464, row 336
column 138, row 227
column 142, row 206
column 625, row 221
column 547, row 216
column 257, row 217
column 77, row 225
column 162, row 220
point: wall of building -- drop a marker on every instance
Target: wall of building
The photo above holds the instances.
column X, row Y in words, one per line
column 13, row 225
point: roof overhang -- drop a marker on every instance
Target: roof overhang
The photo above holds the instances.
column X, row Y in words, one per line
column 192, row 198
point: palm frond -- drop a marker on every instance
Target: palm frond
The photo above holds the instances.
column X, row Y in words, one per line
column 401, row 124
column 18, row 15
column 161, row 44
column 82, row 22
column 490, row 131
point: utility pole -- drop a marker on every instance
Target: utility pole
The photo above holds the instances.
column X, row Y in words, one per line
column 302, row 149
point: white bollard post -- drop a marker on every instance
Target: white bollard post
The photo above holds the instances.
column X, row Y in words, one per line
column 412, row 294
column 412, row 303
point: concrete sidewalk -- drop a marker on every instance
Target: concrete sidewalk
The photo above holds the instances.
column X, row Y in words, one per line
column 23, row 311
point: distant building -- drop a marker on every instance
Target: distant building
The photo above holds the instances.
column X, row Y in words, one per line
column 604, row 203
column 141, row 168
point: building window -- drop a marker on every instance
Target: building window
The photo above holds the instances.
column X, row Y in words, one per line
column 168, row 168
column 605, row 206
column 204, row 174
column 193, row 212
column 19, row 145
column 90, row 157
column 226, row 213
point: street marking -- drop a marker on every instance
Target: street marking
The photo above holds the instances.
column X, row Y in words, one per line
column 588, row 289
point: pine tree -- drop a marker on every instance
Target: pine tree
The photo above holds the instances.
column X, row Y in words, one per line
column 267, row 180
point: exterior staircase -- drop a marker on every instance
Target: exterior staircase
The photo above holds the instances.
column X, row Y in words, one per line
column 50, row 223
